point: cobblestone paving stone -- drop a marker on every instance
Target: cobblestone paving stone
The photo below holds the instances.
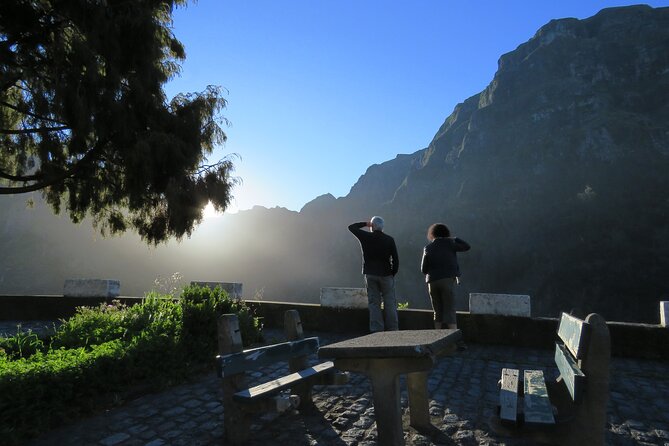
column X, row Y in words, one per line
column 463, row 390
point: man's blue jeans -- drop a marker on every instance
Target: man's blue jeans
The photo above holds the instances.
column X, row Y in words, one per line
column 381, row 289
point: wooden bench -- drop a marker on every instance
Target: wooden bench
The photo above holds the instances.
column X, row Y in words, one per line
column 241, row 401
column 572, row 409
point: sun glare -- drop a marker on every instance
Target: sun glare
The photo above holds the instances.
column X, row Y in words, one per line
column 209, row 212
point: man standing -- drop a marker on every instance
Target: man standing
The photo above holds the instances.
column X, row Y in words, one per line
column 379, row 265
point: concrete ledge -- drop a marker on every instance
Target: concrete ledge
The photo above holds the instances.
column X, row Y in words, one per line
column 639, row 340
column 504, row 304
column 234, row 289
column 91, row 288
column 339, row 297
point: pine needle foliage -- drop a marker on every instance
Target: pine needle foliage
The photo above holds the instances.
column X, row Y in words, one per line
column 84, row 117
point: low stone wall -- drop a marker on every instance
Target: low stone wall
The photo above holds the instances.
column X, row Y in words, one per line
column 627, row 339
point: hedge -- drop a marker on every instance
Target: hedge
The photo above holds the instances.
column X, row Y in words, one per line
column 104, row 351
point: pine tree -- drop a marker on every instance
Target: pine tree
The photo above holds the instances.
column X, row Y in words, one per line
column 85, row 120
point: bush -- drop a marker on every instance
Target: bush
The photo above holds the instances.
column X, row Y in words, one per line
column 103, row 351
column 24, row 343
column 201, row 308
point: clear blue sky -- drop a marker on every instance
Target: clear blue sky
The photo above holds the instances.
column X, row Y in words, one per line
column 321, row 90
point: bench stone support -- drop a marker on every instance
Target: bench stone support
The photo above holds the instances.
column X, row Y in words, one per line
column 91, row 288
column 235, row 423
column 589, row 423
column 292, row 327
column 504, row 304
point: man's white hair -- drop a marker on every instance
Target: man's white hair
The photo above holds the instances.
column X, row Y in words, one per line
column 377, row 223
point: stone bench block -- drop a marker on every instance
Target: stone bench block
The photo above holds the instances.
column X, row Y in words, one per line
column 344, row 297
column 504, row 304
column 234, row 289
column 664, row 313
column 91, row 288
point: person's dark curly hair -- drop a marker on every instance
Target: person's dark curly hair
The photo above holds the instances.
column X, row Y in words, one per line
column 438, row 230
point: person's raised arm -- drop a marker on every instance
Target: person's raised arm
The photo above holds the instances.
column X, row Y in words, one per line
column 356, row 228
column 461, row 245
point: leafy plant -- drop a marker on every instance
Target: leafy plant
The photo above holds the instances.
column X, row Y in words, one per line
column 22, row 344
column 103, row 351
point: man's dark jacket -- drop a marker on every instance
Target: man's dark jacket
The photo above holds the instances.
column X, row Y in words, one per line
column 379, row 253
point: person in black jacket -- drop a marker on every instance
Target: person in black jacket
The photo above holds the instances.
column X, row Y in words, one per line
column 441, row 269
column 380, row 263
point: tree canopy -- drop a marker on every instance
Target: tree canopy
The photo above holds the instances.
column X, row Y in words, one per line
column 85, row 120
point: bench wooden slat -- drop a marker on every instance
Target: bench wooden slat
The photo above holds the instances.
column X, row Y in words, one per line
column 272, row 387
column 537, row 406
column 575, row 333
column 256, row 358
column 508, row 395
column 572, row 375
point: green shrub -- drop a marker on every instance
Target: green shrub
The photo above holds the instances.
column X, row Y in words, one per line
column 54, row 386
column 201, row 308
column 105, row 350
column 22, row 344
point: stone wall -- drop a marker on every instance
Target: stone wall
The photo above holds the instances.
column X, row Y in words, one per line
column 627, row 339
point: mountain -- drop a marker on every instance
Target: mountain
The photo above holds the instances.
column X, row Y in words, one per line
column 556, row 174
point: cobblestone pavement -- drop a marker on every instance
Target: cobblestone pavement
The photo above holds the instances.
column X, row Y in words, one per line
column 463, row 390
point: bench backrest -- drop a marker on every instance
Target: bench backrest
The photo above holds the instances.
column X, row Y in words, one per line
column 574, row 335
column 256, row 358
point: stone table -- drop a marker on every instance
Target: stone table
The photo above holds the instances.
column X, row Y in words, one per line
column 383, row 356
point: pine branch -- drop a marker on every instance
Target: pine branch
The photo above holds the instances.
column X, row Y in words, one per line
column 33, row 130
column 47, row 181
column 29, row 113
column 32, row 187
column 17, row 178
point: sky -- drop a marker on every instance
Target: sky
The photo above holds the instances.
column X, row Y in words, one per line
column 319, row 90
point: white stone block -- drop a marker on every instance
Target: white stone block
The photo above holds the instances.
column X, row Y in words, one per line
column 91, row 288
column 664, row 313
column 234, row 289
column 344, row 297
column 504, row 304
